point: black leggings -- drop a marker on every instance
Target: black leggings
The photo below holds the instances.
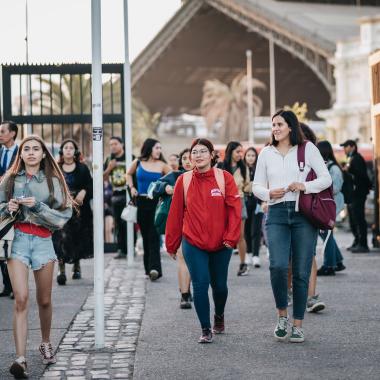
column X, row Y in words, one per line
column 252, row 230
column 146, row 209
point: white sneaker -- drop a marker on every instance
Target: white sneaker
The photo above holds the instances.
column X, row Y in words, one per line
column 248, row 258
column 256, row 261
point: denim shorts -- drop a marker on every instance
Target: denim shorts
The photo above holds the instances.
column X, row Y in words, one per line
column 34, row 251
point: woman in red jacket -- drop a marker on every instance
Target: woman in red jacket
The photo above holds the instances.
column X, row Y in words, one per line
column 205, row 216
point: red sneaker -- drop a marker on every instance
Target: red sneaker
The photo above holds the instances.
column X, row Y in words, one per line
column 218, row 324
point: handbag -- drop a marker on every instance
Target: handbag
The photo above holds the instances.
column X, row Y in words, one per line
column 6, row 224
column 318, row 208
column 7, row 234
column 129, row 213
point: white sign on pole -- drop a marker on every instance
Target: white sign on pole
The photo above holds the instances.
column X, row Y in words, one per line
column 97, row 149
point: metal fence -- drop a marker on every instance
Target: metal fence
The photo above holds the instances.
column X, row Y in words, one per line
column 55, row 101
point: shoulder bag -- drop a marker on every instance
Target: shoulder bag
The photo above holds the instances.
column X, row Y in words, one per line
column 318, row 208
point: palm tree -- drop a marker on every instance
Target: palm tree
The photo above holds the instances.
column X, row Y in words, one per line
column 144, row 124
column 228, row 105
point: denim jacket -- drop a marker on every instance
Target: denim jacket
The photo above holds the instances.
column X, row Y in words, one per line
column 337, row 182
column 40, row 214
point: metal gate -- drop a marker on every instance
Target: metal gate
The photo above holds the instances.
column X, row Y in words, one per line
column 55, row 101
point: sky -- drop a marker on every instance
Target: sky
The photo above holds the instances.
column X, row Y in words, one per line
column 60, row 30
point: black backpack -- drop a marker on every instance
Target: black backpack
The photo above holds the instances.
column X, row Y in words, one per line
column 348, row 186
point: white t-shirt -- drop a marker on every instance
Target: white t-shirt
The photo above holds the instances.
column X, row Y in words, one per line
column 274, row 171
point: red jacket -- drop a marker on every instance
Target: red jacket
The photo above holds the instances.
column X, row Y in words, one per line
column 209, row 220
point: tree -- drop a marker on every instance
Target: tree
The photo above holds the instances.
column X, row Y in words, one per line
column 300, row 110
column 228, row 105
column 144, row 124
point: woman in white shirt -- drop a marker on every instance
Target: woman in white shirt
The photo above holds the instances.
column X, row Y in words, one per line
column 279, row 181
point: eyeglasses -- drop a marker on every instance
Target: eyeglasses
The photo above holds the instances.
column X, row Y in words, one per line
column 201, row 152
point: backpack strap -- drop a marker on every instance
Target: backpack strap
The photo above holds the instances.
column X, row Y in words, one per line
column 301, row 155
column 186, row 183
column 219, row 177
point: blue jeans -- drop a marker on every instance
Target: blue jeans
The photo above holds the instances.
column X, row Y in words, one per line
column 332, row 255
column 290, row 236
column 207, row 268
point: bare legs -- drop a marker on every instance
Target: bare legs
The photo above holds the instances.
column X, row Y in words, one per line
column 183, row 274
column 44, row 281
column 19, row 274
column 313, row 279
column 242, row 245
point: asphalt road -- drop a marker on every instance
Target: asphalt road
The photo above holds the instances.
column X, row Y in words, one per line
column 342, row 342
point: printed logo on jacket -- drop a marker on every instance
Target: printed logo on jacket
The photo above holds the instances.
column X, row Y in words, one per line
column 216, row 193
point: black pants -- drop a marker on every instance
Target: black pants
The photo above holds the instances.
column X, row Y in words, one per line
column 358, row 224
column 118, row 202
column 252, row 229
column 146, row 209
column 5, row 274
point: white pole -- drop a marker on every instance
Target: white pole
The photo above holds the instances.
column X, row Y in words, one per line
column 128, row 126
column 272, row 77
column 28, row 79
column 251, row 127
column 97, row 148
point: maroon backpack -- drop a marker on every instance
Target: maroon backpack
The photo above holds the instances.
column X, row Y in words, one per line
column 318, row 208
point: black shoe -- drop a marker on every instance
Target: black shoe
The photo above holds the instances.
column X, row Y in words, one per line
column 185, row 301
column 243, row 270
column 76, row 275
column 360, row 249
column 325, row 271
column 339, row 267
column 353, row 245
column 61, row 279
column 19, row 369
column 5, row 293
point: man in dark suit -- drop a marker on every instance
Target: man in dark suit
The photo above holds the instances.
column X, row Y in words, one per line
column 8, row 151
column 362, row 184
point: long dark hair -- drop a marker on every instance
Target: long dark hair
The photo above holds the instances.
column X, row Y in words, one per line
column 254, row 151
column 227, row 162
column 296, row 136
column 327, row 152
column 146, row 150
column 77, row 153
column 180, row 166
column 252, row 169
column 308, row 133
column 50, row 168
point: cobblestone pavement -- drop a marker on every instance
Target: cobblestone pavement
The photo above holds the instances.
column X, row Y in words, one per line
column 124, row 299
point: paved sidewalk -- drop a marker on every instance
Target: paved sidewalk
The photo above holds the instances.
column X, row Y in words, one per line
column 77, row 359
column 342, row 342
column 67, row 300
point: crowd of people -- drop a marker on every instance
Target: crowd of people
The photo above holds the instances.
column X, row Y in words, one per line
column 200, row 207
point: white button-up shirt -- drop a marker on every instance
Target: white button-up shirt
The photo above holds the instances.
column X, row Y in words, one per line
column 274, row 171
